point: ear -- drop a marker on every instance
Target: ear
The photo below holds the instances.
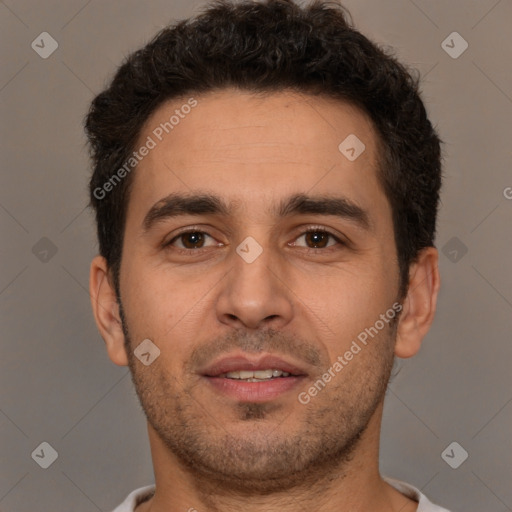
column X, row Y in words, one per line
column 106, row 310
column 419, row 306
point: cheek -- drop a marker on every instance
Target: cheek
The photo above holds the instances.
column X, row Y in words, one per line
column 147, row 300
column 163, row 305
column 342, row 303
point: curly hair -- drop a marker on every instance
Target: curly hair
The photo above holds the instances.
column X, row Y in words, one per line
column 263, row 47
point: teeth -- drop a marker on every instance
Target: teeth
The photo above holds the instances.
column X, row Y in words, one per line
column 255, row 376
column 264, row 374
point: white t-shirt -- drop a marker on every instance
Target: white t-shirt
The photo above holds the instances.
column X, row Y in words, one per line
column 424, row 505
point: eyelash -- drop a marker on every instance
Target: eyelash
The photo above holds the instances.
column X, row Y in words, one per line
column 311, row 229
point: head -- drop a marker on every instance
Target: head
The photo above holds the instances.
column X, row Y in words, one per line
column 244, row 112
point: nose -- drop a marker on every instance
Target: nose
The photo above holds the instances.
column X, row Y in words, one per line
column 254, row 293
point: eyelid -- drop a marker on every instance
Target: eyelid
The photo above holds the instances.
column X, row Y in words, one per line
column 319, row 227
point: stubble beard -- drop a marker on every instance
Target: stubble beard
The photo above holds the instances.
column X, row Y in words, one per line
column 253, row 458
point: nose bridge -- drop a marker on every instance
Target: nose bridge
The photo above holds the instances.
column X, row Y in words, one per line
column 252, row 273
column 253, row 291
column 257, row 259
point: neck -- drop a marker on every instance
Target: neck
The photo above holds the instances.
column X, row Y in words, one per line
column 354, row 485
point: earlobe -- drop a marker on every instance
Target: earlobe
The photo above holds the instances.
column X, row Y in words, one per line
column 106, row 311
column 419, row 306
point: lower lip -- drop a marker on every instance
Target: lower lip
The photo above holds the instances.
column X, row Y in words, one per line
column 254, row 391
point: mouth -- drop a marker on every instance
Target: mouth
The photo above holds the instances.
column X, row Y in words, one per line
column 250, row 380
column 255, row 376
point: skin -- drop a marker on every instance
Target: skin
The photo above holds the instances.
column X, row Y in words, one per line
column 211, row 452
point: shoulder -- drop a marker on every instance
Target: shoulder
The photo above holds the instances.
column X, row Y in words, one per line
column 424, row 504
column 134, row 498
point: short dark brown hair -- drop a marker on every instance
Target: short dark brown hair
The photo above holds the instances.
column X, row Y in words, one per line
column 265, row 47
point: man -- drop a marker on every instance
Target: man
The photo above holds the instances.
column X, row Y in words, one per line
column 266, row 184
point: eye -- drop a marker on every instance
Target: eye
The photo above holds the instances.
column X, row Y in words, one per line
column 189, row 240
column 194, row 240
column 318, row 238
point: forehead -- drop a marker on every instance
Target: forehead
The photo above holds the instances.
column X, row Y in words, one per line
column 252, row 149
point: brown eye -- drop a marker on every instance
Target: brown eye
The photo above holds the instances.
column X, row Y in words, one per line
column 318, row 239
column 190, row 240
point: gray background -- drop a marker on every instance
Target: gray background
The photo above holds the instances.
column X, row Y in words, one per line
column 57, row 384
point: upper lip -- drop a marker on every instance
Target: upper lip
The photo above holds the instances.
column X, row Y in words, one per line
column 241, row 362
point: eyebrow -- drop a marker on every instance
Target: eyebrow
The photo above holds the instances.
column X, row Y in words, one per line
column 175, row 205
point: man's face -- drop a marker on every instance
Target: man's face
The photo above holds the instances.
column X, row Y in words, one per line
column 251, row 282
